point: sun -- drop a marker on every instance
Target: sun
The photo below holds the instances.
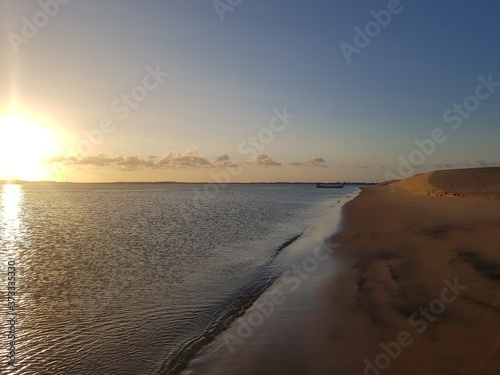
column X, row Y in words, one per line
column 25, row 143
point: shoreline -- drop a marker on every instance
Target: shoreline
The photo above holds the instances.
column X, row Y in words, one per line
column 414, row 288
column 305, row 267
column 180, row 359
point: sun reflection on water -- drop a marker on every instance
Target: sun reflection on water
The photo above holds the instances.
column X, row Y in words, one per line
column 10, row 218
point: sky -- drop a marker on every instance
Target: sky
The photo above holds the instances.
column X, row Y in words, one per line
column 246, row 91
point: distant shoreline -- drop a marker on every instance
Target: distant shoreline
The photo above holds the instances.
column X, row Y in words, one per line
column 17, row 182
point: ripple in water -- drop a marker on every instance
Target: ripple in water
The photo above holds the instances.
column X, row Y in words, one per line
column 125, row 279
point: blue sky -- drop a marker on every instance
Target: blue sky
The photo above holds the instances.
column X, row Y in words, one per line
column 353, row 120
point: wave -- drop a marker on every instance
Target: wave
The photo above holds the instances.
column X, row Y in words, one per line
column 283, row 246
column 244, row 300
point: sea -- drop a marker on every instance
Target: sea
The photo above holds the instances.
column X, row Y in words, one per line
column 138, row 278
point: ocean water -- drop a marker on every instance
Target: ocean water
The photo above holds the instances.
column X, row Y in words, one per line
column 137, row 278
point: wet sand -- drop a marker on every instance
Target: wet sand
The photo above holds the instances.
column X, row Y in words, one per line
column 416, row 288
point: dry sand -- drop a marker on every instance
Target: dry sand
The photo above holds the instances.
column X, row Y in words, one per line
column 401, row 247
column 473, row 182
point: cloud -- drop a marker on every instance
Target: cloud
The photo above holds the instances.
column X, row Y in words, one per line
column 224, row 161
column 466, row 164
column 311, row 162
column 263, row 160
column 189, row 159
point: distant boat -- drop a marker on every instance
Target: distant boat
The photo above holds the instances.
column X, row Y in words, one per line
column 330, row 186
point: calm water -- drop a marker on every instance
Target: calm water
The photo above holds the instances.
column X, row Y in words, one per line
column 129, row 279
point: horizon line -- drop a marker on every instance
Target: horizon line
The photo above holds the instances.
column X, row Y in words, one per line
column 3, row 182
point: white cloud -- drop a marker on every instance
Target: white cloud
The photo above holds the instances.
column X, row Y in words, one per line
column 311, row 162
column 188, row 159
column 263, row 160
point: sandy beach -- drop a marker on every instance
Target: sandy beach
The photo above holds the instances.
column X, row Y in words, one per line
column 415, row 291
column 419, row 288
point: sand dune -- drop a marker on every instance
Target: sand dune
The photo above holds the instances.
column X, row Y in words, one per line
column 473, row 182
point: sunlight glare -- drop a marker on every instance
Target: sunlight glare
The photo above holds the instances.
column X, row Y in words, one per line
column 10, row 207
column 24, row 144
